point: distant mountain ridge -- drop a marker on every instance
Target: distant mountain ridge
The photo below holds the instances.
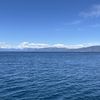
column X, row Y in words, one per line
column 55, row 49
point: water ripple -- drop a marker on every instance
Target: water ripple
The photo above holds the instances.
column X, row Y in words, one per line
column 49, row 76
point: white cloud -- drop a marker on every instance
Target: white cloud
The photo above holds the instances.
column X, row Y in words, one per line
column 32, row 45
column 43, row 45
column 73, row 46
column 59, row 45
column 5, row 45
column 94, row 11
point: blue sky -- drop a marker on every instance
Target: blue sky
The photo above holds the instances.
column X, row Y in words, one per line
column 50, row 21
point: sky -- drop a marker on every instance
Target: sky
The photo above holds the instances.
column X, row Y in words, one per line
column 49, row 22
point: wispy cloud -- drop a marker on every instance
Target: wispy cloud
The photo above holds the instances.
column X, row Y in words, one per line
column 74, row 22
column 95, row 25
column 43, row 45
column 65, row 25
column 32, row 45
column 94, row 11
column 5, row 45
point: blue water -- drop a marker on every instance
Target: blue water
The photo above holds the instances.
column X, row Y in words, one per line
column 49, row 76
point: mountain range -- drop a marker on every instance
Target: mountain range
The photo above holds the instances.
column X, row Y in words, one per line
column 54, row 49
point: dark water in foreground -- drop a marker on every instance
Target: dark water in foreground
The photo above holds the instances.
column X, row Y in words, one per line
column 49, row 76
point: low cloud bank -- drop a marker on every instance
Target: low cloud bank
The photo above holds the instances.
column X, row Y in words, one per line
column 42, row 45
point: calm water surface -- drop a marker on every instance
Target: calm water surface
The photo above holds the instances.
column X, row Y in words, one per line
column 49, row 76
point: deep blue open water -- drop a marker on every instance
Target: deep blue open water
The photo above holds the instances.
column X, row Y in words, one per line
column 49, row 76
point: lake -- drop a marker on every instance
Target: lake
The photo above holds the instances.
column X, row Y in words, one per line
column 49, row 76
